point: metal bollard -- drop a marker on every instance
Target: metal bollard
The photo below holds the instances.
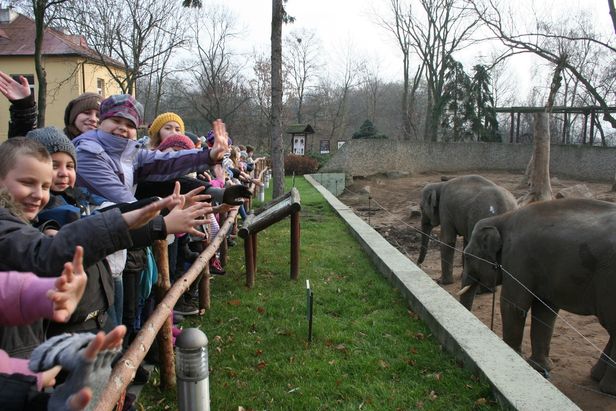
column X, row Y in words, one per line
column 191, row 363
column 261, row 194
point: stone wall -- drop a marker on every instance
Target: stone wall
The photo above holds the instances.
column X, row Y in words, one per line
column 368, row 157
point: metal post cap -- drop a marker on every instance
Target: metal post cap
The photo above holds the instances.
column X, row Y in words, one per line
column 191, row 338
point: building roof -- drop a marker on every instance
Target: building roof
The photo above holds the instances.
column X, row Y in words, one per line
column 299, row 129
column 17, row 39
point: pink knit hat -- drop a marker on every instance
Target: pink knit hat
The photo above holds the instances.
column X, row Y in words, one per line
column 176, row 141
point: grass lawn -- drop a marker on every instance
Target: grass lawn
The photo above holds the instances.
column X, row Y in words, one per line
column 369, row 351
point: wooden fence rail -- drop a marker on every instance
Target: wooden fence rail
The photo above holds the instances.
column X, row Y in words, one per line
column 159, row 322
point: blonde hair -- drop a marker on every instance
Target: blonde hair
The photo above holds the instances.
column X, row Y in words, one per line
column 20, row 146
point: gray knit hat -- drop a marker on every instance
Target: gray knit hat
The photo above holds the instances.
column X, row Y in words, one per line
column 54, row 140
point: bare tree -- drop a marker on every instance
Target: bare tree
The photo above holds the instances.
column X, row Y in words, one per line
column 398, row 24
column 549, row 44
column 279, row 16
column 301, row 62
column 135, row 33
column 218, row 89
column 43, row 11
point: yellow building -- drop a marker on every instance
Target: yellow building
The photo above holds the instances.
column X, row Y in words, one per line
column 72, row 67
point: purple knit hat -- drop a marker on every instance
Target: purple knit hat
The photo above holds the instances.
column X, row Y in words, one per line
column 122, row 105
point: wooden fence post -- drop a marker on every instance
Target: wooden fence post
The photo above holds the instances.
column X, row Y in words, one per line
column 164, row 336
column 295, row 242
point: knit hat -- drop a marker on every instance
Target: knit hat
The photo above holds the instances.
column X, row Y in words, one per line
column 84, row 102
column 54, row 141
column 210, row 139
column 124, row 106
column 243, row 154
column 193, row 137
column 163, row 119
column 176, row 141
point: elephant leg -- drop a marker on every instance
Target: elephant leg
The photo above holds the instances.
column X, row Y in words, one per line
column 447, row 251
column 541, row 330
column 513, row 312
column 605, row 369
column 598, row 370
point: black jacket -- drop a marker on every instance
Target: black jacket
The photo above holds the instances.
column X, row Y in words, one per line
column 23, row 116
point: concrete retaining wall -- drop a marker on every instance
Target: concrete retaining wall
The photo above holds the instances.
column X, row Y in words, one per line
column 516, row 385
column 367, row 157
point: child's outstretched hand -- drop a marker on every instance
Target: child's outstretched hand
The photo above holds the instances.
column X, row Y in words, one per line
column 87, row 358
column 12, row 89
column 69, row 288
column 191, row 197
column 184, row 220
column 138, row 218
column 221, row 141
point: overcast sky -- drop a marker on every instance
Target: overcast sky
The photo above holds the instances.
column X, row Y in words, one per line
column 339, row 23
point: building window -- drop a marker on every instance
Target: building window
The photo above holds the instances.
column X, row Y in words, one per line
column 100, row 86
column 29, row 77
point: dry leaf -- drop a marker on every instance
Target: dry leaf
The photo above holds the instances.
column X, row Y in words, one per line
column 332, row 362
column 218, row 339
column 234, row 302
column 261, row 310
column 258, row 353
column 481, row 401
column 420, row 336
column 383, row 364
column 419, row 405
column 411, row 362
column 261, row 365
column 413, row 350
column 341, row 347
column 432, row 396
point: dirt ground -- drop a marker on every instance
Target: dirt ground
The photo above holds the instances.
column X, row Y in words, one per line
column 394, row 212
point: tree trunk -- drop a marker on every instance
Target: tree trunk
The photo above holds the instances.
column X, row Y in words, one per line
column 276, row 115
column 39, row 19
column 540, row 187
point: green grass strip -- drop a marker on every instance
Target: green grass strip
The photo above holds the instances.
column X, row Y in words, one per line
column 369, row 351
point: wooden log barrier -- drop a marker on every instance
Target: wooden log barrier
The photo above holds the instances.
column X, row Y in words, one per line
column 274, row 211
column 124, row 370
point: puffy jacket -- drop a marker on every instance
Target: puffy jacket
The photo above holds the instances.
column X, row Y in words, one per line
column 111, row 166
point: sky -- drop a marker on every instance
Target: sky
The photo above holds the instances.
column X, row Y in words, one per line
column 340, row 23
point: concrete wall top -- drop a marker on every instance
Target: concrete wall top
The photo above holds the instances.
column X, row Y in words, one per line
column 368, row 157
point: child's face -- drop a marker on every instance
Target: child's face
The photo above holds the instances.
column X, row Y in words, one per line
column 168, row 129
column 28, row 183
column 64, row 174
column 119, row 127
column 87, row 120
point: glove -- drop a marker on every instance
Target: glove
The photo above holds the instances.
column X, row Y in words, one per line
column 233, row 193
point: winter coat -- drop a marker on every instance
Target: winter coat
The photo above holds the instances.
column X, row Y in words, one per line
column 23, row 114
column 111, row 166
column 25, row 248
column 23, row 300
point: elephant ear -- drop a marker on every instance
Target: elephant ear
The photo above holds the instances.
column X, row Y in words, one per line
column 490, row 242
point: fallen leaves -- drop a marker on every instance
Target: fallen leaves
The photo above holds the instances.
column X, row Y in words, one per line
column 234, row 303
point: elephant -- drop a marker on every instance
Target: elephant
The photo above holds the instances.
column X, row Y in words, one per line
column 551, row 255
column 456, row 205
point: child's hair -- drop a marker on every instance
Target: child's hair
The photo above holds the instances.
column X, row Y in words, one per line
column 14, row 147
column 250, row 149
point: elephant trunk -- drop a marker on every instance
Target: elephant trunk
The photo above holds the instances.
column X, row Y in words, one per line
column 426, row 229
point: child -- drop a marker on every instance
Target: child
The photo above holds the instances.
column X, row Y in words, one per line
column 24, row 298
column 26, row 175
column 81, row 113
column 163, row 126
column 111, row 161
